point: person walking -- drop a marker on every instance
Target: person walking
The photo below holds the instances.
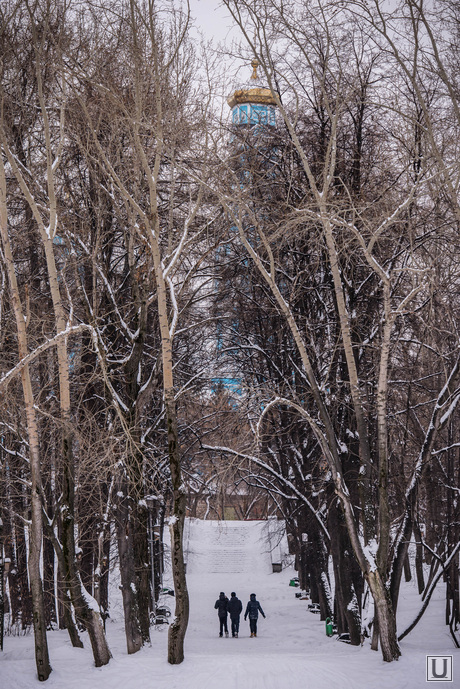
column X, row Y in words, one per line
column 235, row 606
column 252, row 609
column 221, row 606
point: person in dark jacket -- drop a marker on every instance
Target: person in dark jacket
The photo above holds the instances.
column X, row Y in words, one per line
column 221, row 605
column 252, row 609
column 234, row 607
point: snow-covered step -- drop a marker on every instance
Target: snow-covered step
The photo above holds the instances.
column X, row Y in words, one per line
column 226, row 547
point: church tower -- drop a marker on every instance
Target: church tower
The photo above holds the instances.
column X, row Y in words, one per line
column 253, row 158
column 253, row 103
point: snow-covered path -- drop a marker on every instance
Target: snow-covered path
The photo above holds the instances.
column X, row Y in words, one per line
column 291, row 650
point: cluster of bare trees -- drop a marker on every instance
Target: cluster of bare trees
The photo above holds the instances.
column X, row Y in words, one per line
column 353, row 366
column 288, row 299
column 105, row 233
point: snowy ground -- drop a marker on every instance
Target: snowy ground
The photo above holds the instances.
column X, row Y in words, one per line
column 291, row 650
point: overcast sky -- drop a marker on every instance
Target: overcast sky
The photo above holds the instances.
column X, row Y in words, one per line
column 212, row 19
column 215, row 23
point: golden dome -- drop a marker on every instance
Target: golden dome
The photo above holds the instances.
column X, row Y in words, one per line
column 252, row 92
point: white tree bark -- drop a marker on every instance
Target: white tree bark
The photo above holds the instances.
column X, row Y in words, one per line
column 36, row 529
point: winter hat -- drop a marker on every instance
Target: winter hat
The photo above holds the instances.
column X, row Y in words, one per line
column 221, row 593
column 233, row 594
column 253, row 595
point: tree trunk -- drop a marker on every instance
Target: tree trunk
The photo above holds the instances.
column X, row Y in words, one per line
column 159, row 551
column 142, row 569
column 127, row 573
column 87, row 612
column 407, row 570
column 375, row 633
column 20, row 600
column 67, row 620
column 419, row 558
column 385, row 617
column 36, row 528
column 48, row 581
column 348, row 598
column 104, row 564
column 178, row 628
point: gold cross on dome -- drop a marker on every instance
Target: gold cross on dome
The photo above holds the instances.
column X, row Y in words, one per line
column 254, row 64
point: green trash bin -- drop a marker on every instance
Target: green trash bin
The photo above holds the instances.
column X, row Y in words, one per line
column 329, row 627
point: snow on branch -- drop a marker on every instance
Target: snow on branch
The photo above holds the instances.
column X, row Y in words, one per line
column 71, row 330
column 273, row 472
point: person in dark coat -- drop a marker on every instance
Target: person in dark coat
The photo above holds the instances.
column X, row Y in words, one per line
column 234, row 607
column 252, row 609
column 221, row 605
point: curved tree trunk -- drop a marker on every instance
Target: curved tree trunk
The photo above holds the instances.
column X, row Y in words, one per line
column 87, row 612
column 36, row 529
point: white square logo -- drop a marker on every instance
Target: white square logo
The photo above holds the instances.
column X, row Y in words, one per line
column 439, row 669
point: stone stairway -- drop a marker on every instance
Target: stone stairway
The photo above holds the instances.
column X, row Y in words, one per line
column 228, row 551
column 225, row 548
